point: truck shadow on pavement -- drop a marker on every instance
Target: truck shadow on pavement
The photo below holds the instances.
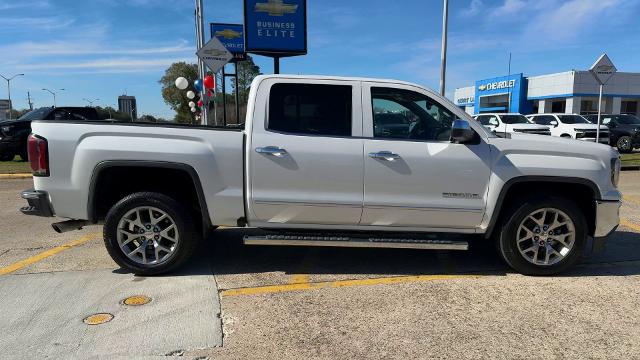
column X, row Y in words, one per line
column 225, row 254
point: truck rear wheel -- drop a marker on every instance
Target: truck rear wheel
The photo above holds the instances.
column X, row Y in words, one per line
column 149, row 233
column 624, row 144
column 545, row 235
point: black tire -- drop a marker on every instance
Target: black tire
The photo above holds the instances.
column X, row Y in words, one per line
column 624, row 145
column 6, row 157
column 24, row 154
column 507, row 238
column 182, row 219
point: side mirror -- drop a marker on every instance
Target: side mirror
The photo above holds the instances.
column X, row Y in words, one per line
column 554, row 123
column 461, row 132
column 611, row 124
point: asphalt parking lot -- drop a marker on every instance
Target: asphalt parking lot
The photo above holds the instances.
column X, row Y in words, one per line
column 289, row 303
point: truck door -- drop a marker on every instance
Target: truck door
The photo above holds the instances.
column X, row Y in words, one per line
column 414, row 175
column 305, row 154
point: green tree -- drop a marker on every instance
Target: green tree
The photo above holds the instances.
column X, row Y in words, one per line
column 174, row 97
column 110, row 113
column 247, row 71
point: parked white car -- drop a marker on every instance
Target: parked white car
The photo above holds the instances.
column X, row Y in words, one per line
column 511, row 123
column 571, row 126
column 327, row 161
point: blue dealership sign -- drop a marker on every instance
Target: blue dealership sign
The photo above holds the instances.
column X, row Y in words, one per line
column 231, row 36
column 276, row 27
column 511, row 88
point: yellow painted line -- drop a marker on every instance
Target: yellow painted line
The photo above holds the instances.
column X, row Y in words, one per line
column 15, row 176
column 626, row 223
column 631, row 199
column 272, row 289
column 43, row 255
column 301, row 276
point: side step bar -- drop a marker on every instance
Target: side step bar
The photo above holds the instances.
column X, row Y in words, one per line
column 343, row 241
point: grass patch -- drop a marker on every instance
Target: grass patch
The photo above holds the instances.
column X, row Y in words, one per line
column 15, row 167
column 632, row 159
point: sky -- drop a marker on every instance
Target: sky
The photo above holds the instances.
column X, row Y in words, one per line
column 105, row 48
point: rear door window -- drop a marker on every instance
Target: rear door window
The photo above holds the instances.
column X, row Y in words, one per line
column 323, row 110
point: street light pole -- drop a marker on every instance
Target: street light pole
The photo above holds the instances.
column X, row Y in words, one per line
column 9, row 90
column 90, row 101
column 54, row 96
column 443, row 55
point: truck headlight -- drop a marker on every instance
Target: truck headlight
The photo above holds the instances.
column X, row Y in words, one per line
column 615, row 171
column 5, row 129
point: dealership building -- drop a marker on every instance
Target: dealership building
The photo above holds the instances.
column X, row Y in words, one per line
column 566, row 92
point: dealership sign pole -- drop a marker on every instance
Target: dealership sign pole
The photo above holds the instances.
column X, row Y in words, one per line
column 602, row 70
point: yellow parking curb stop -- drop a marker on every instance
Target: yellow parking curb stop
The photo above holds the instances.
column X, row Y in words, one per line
column 136, row 300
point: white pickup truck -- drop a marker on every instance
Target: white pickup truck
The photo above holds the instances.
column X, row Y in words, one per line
column 327, row 161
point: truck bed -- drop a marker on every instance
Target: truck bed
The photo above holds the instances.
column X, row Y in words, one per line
column 76, row 150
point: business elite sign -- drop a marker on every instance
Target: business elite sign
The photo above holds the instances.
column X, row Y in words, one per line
column 231, row 36
column 276, row 27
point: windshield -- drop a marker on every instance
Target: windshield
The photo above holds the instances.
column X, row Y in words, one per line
column 627, row 120
column 37, row 114
column 573, row 119
column 514, row 119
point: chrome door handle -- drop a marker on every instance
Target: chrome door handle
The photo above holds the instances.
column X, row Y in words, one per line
column 271, row 150
column 384, row 155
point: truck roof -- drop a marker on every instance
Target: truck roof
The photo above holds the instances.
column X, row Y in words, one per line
column 338, row 78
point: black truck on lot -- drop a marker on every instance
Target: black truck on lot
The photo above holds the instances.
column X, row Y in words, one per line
column 624, row 130
column 14, row 133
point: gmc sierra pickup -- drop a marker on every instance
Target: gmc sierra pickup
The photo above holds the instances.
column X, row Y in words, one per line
column 327, row 161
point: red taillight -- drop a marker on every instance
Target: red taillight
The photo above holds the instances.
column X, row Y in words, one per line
column 38, row 155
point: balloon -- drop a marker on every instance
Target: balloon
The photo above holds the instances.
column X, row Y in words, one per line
column 182, row 83
column 193, row 109
column 209, row 82
column 198, row 85
column 192, row 104
column 199, row 103
column 191, row 94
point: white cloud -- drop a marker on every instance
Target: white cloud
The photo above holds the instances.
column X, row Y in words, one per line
column 510, row 7
column 29, row 49
column 111, row 65
column 475, row 6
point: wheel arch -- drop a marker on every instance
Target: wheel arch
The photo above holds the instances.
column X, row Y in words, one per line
column 570, row 187
column 188, row 172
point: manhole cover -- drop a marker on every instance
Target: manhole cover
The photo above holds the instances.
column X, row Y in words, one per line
column 136, row 300
column 97, row 319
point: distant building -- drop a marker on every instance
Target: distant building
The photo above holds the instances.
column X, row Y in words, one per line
column 127, row 105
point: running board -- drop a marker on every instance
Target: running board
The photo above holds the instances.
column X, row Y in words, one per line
column 342, row 241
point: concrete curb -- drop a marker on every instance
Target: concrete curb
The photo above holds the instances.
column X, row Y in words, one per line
column 15, row 176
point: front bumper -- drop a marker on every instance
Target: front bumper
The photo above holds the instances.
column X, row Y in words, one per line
column 602, row 140
column 607, row 221
column 39, row 204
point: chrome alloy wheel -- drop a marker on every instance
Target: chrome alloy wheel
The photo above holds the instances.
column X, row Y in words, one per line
column 624, row 144
column 546, row 236
column 147, row 235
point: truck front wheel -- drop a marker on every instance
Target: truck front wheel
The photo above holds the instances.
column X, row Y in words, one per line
column 149, row 233
column 544, row 235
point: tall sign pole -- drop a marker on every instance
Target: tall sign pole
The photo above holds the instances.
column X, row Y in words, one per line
column 443, row 55
column 602, row 70
column 201, row 67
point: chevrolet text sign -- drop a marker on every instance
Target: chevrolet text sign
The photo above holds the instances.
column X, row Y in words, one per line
column 277, row 27
column 506, row 84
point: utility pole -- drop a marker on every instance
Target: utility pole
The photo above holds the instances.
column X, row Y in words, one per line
column 443, row 55
column 9, row 91
column 202, row 71
column 29, row 100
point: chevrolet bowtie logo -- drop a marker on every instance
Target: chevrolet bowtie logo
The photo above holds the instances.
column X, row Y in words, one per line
column 482, row 87
column 228, row 34
column 276, row 8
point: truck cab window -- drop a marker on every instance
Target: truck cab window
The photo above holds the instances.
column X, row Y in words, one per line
column 323, row 110
column 404, row 114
